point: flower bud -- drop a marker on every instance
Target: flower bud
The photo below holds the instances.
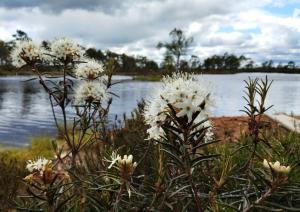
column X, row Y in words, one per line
column 277, row 167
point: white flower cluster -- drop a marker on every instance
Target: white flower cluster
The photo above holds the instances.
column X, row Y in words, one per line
column 90, row 91
column 37, row 165
column 277, row 167
column 93, row 88
column 26, row 51
column 66, row 49
column 126, row 160
column 186, row 95
column 89, row 70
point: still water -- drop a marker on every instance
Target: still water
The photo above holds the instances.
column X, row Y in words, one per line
column 25, row 111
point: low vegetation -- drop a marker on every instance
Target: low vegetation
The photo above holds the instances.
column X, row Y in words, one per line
column 131, row 138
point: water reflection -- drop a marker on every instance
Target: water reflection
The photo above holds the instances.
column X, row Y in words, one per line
column 25, row 111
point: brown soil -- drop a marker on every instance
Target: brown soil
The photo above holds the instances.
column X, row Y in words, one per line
column 231, row 128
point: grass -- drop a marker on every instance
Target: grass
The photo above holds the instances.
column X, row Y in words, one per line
column 40, row 146
column 152, row 78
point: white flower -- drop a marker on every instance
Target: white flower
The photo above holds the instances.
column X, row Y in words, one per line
column 90, row 70
column 25, row 52
column 66, row 49
column 186, row 95
column 37, row 165
column 277, row 167
column 90, row 91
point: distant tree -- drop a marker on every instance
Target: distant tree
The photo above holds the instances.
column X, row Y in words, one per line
column 267, row 64
column 232, row 62
column 210, row 63
column 224, row 62
column 177, row 47
column 151, row 66
column 214, row 62
column 95, row 54
column 291, row 65
column 141, row 62
column 128, row 63
column 21, row 35
column 250, row 64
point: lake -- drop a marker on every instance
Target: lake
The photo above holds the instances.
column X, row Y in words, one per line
column 25, row 111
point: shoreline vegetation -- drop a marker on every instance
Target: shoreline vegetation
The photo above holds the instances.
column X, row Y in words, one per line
column 8, row 70
column 151, row 76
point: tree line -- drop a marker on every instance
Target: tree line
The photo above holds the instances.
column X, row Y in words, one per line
column 175, row 58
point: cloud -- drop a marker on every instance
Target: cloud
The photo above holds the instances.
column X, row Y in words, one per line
column 136, row 26
column 61, row 5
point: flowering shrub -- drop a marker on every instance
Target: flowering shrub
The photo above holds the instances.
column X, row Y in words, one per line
column 90, row 70
column 26, row 52
column 177, row 165
column 89, row 92
column 182, row 95
column 38, row 165
column 66, row 50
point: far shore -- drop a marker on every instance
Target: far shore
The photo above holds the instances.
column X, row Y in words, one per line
column 151, row 76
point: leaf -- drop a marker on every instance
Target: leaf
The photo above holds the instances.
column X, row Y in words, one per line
column 198, row 160
column 199, row 123
column 205, row 144
column 175, row 157
column 264, row 180
column 176, row 192
column 169, row 206
column 200, row 131
column 31, row 79
column 34, row 195
column 170, row 146
column 64, row 202
column 96, row 202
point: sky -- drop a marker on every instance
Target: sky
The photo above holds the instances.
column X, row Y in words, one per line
column 259, row 29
